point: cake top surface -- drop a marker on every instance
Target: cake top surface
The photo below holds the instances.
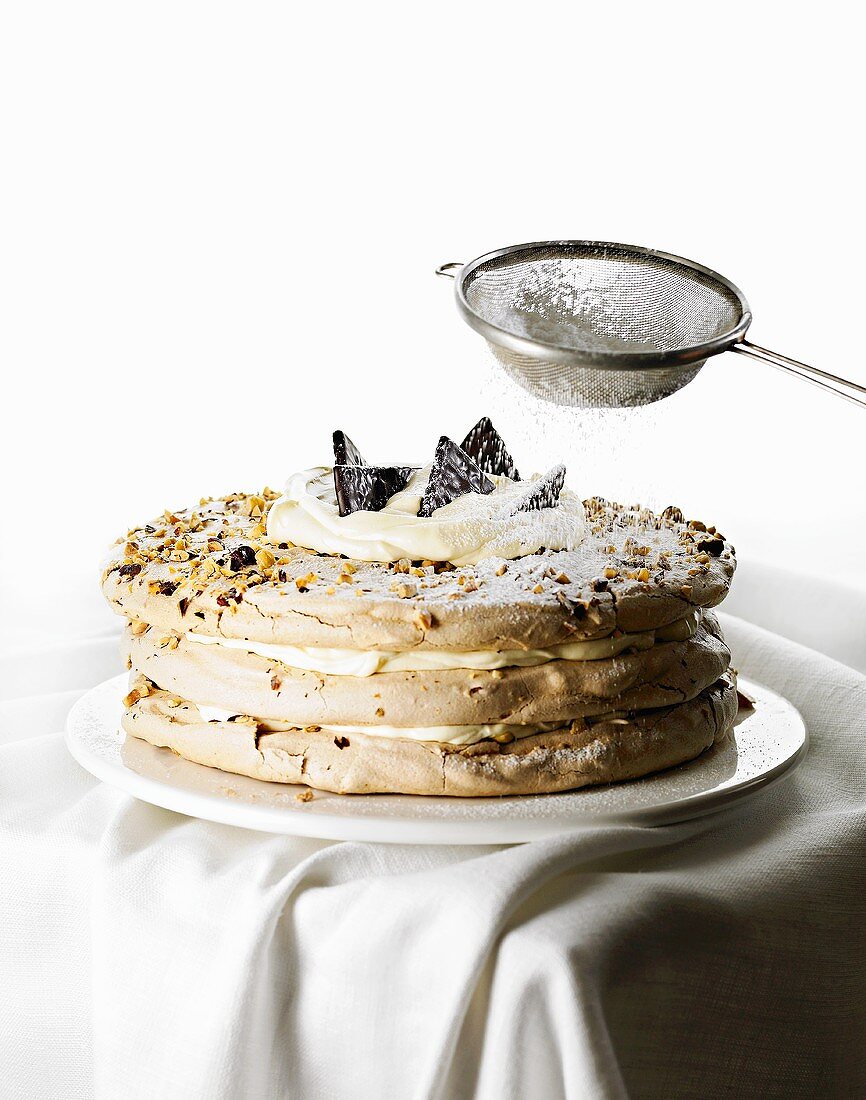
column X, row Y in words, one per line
column 213, row 569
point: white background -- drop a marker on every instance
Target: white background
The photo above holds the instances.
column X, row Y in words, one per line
column 221, row 221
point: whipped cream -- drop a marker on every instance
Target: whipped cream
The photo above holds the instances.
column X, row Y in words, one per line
column 465, row 531
column 447, row 735
column 357, row 662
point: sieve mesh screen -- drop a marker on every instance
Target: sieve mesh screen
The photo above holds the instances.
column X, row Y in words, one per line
column 586, row 308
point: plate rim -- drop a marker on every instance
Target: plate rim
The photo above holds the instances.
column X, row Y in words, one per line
column 295, row 821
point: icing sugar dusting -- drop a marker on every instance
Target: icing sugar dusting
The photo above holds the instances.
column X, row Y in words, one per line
column 606, row 451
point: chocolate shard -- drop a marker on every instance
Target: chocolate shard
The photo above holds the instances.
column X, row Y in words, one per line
column 345, row 451
column 453, row 475
column 544, row 493
column 484, row 445
column 368, row 488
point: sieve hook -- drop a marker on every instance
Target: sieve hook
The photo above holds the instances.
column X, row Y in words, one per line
column 449, row 270
column 841, row 387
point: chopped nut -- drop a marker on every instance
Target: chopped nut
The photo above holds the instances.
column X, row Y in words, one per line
column 423, row 620
column 140, row 691
column 264, row 559
column 305, row 796
column 404, row 591
column 137, row 628
column 503, row 569
column 643, row 574
column 538, row 589
column 610, row 573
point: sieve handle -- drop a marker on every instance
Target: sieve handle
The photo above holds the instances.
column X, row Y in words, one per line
column 449, row 271
column 841, row 387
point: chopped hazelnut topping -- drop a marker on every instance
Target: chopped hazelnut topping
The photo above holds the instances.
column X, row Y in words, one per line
column 141, row 690
column 264, row 559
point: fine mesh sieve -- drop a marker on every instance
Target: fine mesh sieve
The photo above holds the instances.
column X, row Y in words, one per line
column 602, row 325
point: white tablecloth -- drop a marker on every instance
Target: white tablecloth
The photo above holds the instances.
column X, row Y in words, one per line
column 145, row 954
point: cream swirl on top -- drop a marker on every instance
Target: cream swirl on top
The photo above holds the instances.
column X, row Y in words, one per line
column 467, row 530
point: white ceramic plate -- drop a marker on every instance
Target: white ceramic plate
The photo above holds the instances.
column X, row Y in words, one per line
column 766, row 744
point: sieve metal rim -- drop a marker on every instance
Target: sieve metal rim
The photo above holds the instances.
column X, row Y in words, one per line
column 601, row 360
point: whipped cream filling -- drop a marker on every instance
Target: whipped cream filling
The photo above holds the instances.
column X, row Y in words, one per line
column 446, row 735
column 355, row 662
column 469, row 529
